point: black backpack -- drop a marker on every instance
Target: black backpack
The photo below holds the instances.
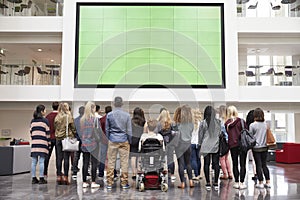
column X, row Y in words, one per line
column 223, row 145
column 248, row 140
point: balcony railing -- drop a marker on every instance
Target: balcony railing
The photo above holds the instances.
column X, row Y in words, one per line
column 22, row 74
column 31, row 7
column 270, row 75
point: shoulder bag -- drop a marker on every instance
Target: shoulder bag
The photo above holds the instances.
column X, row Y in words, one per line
column 271, row 142
column 68, row 143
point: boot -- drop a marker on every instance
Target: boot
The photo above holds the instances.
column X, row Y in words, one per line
column 65, row 180
column 59, row 180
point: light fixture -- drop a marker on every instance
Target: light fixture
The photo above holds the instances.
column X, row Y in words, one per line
column 51, row 60
column 40, row 50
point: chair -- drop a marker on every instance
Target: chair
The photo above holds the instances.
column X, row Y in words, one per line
column 23, row 72
column 42, row 73
column 288, row 1
column 3, row 72
column 250, row 73
column 254, row 6
column 55, row 76
column 269, row 72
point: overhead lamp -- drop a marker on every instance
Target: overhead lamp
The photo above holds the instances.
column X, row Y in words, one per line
column 51, row 60
column 40, row 50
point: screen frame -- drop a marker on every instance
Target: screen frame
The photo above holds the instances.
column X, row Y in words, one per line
column 79, row 4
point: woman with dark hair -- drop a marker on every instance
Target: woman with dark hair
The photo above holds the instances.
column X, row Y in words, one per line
column 137, row 124
column 40, row 142
column 260, row 150
column 209, row 132
column 183, row 117
column 250, row 120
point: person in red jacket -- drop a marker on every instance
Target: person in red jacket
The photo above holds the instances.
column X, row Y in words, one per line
column 51, row 116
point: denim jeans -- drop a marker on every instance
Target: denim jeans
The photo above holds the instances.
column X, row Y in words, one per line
column 195, row 159
column 34, row 161
column 103, row 153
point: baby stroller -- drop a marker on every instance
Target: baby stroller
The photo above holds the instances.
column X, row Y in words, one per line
column 152, row 165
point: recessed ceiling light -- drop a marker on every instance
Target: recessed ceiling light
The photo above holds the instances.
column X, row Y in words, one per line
column 40, row 50
column 51, row 60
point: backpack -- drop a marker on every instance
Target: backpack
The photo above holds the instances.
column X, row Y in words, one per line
column 248, row 140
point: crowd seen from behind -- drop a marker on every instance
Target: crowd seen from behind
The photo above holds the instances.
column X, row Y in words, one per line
column 190, row 134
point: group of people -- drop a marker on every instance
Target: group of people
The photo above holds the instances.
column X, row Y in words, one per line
column 190, row 134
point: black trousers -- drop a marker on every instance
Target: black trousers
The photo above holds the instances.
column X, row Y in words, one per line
column 215, row 164
column 236, row 156
column 261, row 165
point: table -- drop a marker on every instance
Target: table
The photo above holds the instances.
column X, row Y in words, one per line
column 257, row 71
column 15, row 159
column 11, row 66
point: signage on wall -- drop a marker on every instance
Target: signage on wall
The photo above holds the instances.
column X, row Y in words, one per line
column 6, row 132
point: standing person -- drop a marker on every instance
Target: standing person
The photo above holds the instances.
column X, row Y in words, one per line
column 119, row 132
column 97, row 112
column 104, row 146
column 63, row 121
column 137, row 124
column 260, row 150
column 75, row 168
column 50, row 117
column 195, row 148
column 89, row 144
column 224, row 160
column 234, row 127
column 164, row 127
column 40, row 143
column 250, row 120
column 183, row 117
column 209, row 132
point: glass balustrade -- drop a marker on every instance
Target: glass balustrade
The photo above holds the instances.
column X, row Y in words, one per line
column 31, row 7
column 269, row 75
column 26, row 74
column 268, row 8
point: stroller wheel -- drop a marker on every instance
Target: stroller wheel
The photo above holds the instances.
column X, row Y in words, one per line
column 141, row 187
column 164, row 187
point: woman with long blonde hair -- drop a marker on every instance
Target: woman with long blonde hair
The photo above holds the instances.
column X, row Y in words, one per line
column 63, row 123
column 234, row 127
column 89, row 126
column 164, row 127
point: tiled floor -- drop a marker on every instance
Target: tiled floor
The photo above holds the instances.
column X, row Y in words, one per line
column 285, row 181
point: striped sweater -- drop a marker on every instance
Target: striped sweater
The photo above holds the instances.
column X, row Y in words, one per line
column 40, row 137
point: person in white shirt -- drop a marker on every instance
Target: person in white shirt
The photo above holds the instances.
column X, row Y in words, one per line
column 151, row 125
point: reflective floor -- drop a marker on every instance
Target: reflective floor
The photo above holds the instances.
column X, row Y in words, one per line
column 285, row 182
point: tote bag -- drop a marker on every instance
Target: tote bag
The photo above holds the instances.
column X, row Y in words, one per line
column 271, row 142
column 68, row 143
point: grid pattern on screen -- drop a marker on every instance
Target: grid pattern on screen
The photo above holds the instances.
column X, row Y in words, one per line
column 169, row 45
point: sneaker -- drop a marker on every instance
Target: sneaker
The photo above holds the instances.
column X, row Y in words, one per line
column 127, row 186
column 216, row 186
column 34, row 180
column 173, row 178
column 259, row 186
column 208, row 187
column 95, row 185
column 109, row 187
column 116, row 178
column 267, row 185
column 236, row 185
column 42, row 181
column 85, row 185
column 242, row 186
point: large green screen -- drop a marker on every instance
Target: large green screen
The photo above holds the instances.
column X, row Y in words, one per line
column 149, row 45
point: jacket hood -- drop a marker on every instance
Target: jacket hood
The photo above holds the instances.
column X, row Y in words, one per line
column 234, row 123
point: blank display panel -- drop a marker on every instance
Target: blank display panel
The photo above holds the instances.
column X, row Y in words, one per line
column 149, row 45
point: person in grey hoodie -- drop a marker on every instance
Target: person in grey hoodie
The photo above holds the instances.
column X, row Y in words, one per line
column 260, row 150
column 209, row 132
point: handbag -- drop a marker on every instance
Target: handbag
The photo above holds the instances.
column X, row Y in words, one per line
column 223, row 145
column 68, row 143
column 175, row 134
column 271, row 142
